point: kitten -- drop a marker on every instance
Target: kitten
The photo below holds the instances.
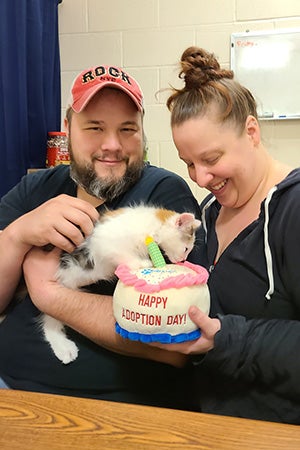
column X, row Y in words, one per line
column 118, row 238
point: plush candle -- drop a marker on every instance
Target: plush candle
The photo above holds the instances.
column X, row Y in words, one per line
column 154, row 252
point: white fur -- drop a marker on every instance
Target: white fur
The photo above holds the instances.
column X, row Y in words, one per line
column 65, row 349
column 120, row 239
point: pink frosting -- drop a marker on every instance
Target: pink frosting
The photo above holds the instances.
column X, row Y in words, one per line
column 200, row 276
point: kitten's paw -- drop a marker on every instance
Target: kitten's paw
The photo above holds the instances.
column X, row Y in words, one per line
column 140, row 264
column 66, row 352
column 145, row 263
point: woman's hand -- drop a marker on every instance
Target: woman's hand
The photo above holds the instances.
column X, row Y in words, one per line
column 209, row 327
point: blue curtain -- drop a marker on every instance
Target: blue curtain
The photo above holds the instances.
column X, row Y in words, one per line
column 29, row 85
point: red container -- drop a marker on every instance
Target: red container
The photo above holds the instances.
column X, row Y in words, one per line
column 57, row 149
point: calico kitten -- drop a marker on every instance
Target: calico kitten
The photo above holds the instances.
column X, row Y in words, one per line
column 118, row 238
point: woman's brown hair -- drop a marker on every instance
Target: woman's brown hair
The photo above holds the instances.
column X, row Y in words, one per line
column 208, row 86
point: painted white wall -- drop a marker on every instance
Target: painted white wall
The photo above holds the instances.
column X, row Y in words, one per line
column 147, row 37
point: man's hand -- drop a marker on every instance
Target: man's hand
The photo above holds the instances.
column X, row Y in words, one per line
column 89, row 314
column 63, row 221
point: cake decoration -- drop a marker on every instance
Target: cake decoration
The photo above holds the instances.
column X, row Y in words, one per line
column 151, row 304
column 154, row 252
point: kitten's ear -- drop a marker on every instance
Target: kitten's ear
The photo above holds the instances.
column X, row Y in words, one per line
column 186, row 220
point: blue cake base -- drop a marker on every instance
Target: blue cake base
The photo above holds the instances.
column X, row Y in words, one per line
column 163, row 338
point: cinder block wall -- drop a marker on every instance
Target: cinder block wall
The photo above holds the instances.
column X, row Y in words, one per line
column 147, row 37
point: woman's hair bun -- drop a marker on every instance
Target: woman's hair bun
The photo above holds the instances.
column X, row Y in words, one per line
column 199, row 67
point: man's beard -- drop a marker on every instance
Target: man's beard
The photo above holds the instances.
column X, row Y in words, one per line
column 106, row 188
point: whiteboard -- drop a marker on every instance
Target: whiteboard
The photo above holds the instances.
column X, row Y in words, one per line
column 268, row 64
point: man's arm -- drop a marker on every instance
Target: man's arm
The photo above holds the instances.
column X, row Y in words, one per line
column 11, row 260
column 89, row 314
column 62, row 221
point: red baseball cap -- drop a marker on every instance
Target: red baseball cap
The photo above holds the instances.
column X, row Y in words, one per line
column 90, row 81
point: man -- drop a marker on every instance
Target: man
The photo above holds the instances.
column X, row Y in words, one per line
column 59, row 206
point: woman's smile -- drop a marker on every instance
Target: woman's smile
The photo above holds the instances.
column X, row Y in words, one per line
column 218, row 187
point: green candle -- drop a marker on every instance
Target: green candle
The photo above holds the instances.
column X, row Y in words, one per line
column 154, row 252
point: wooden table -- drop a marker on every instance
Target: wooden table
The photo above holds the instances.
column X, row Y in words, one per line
column 31, row 421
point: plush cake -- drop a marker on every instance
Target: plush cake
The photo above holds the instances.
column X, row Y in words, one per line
column 151, row 304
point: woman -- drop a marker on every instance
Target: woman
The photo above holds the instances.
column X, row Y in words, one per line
column 247, row 360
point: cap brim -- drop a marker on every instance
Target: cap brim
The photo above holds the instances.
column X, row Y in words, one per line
column 86, row 98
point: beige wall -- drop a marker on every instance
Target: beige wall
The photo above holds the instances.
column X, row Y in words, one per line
column 147, row 38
